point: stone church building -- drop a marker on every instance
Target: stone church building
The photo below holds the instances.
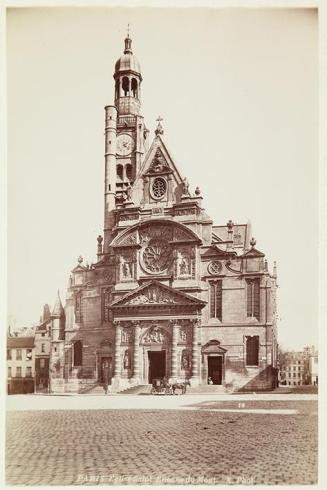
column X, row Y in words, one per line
column 171, row 294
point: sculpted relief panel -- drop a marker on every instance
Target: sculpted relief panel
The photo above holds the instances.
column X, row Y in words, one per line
column 155, row 231
column 153, row 295
column 155, row 335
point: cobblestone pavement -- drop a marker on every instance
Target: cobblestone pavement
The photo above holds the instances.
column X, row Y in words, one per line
column 62, row 447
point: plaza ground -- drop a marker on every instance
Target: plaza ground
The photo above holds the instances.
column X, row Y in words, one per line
column 190, row 439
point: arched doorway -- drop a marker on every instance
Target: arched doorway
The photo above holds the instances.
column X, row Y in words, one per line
column 156, row 354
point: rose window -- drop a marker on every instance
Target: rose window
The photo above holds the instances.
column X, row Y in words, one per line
column 215, row 267
column 159, row 187
column 157, row 255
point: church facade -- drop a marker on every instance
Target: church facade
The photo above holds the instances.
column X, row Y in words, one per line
column 171, row 294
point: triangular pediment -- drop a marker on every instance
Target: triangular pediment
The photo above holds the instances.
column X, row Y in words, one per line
column 79, row 268
column 153, row 293
column 159, row 160
column 158, row 165
column 213, row 347
column 253, row 253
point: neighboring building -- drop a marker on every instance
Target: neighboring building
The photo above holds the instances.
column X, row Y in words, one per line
column 20, row 364
column 296, row 367
column 42, row 351
column 171, row 294
column 313, row 368
column 293, row 369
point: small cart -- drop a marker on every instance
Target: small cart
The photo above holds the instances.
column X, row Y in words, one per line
column 160, row 386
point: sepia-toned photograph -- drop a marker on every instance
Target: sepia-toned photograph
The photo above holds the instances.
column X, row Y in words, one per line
column 162, row 246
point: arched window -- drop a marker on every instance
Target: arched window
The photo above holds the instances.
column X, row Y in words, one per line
column 252, row 350
column 117, row 89
column 134, row 87
column 125, row 86
column 78, row 353
column 129, row 172
column 120, row 172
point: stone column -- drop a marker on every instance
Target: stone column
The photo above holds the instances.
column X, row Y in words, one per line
column 174, row 360
column 195, row 353
column 117, row 375
column 136, row 354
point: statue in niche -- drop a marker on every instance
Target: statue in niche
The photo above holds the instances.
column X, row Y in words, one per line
column 126, row 269
column 185, row 361
column 184, row 266
column 126, row 359
column 182, row 335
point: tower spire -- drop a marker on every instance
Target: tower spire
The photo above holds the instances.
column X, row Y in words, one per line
column 128, row 43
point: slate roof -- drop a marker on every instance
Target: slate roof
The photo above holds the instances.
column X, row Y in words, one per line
column 20, row 342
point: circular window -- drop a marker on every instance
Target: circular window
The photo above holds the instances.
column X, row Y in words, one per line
column 159, row 187
column 157, row 256
column 215, row 267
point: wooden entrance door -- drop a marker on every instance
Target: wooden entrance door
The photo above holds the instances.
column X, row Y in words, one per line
column 157, row 364
column 215, row 369
column 106, row 370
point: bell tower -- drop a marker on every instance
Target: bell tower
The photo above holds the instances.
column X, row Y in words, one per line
column 131, row 131
column 128, row 81
column 125, row 135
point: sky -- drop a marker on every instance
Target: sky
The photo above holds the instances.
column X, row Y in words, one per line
column 238, row 93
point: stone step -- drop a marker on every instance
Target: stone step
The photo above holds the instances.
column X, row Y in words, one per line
column 136, row 390
column 94, row 390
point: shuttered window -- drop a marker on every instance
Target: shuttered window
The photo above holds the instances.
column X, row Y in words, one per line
column 216, row 300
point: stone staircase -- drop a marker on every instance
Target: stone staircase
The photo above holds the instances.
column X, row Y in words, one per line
column 93, row 390
column 260, row 382
column 136, row 390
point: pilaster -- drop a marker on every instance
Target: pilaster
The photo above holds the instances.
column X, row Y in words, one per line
column 117, row 375
column 195, row 353
column 136, row 354
column 174, row 360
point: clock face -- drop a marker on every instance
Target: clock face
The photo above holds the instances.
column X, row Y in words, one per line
column 125, row 144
